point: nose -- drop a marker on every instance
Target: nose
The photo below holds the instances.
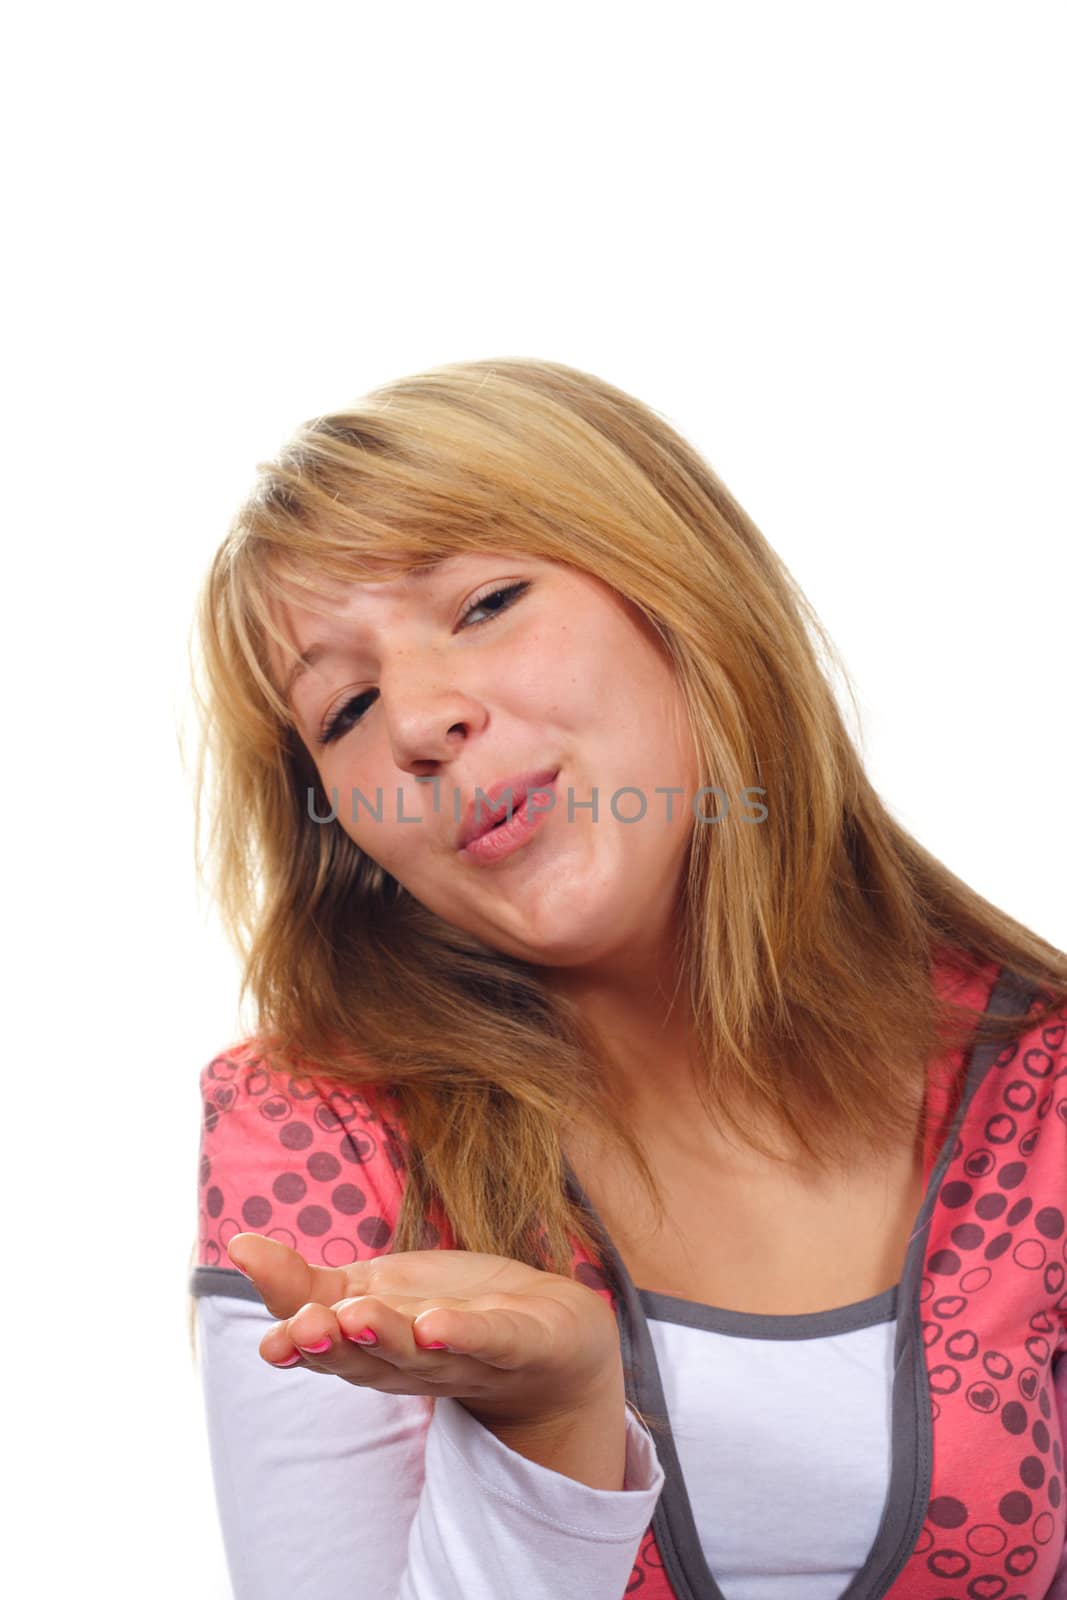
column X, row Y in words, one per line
column 428, row 715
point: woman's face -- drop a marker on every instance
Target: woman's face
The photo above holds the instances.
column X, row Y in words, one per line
column 438, row 677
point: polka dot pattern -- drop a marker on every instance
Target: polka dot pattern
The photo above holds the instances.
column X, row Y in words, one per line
column 993, row 1308
column 310, row 1163
column 306, row 1162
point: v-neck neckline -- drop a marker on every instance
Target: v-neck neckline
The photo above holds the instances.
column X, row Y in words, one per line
column 911, row 1428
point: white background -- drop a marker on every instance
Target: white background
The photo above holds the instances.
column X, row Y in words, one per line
column 826, row 241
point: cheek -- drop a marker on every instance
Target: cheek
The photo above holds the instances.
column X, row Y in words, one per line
column 388, row 842
column 562, row 673
column 409, row 843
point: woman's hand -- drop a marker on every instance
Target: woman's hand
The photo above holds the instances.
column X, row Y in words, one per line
column 524, row 1348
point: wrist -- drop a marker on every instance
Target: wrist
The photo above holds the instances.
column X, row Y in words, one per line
column 586, row 1441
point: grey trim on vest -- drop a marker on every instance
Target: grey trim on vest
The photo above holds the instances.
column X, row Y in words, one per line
column 758, row 1325
column 911, row 1427
column 223, row 1280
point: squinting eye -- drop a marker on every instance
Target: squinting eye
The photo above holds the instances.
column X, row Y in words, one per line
column 346, row 717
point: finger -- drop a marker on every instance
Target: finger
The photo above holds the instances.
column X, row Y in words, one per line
column 398, row 1334
column 311, row 1336
column 443, row 1325
column 285, row 1281
column 500, row 1338
column 331, row 1340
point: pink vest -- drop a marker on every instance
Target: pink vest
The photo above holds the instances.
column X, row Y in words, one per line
column 975, row 1507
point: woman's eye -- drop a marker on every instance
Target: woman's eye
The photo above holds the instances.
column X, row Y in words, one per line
column 508, row 595
column 344, row 718
column 347, row 715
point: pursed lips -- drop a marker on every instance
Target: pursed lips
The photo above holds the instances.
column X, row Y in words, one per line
column 482, row 812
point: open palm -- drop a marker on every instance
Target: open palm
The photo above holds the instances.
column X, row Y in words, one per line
column 518, row 1344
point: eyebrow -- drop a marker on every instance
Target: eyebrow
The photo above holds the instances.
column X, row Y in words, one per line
column 321, row 651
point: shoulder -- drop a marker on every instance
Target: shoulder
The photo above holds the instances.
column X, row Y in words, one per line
column 1003, row 1182
column 1027, row 1076
column 1013, row 1149
column 1027, row 1127
column 1021, row 1085
column 1011, row 1130
column 1030, row 1076
column 301, row 1158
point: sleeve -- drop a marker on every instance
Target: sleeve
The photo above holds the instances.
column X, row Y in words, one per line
column 348, row 1493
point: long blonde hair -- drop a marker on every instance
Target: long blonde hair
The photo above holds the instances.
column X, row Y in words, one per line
column 804, row 944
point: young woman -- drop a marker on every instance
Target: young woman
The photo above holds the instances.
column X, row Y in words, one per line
column 646, row 1171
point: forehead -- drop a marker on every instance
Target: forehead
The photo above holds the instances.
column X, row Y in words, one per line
column 306, row 587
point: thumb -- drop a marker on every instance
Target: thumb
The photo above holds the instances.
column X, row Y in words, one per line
column 283, row 1278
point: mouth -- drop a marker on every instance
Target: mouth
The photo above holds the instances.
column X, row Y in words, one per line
column 489, row 810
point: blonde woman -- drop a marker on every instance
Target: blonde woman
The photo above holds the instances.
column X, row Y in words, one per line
column 647, row 1171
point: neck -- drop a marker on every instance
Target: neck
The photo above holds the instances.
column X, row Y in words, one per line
column 642, row 1025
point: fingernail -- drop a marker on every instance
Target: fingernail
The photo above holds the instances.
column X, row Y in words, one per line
column 364, row 1336
column 316, row 1349
column 291, row 1362
column 242, row 1271
column 437, row 1345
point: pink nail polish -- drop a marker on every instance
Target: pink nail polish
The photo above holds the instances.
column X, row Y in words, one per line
column 437, row 1345
column 364, row 1336
column 316, row 1349
column 291, row 1362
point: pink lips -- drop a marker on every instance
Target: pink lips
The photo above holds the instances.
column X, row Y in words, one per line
column 482, row 815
